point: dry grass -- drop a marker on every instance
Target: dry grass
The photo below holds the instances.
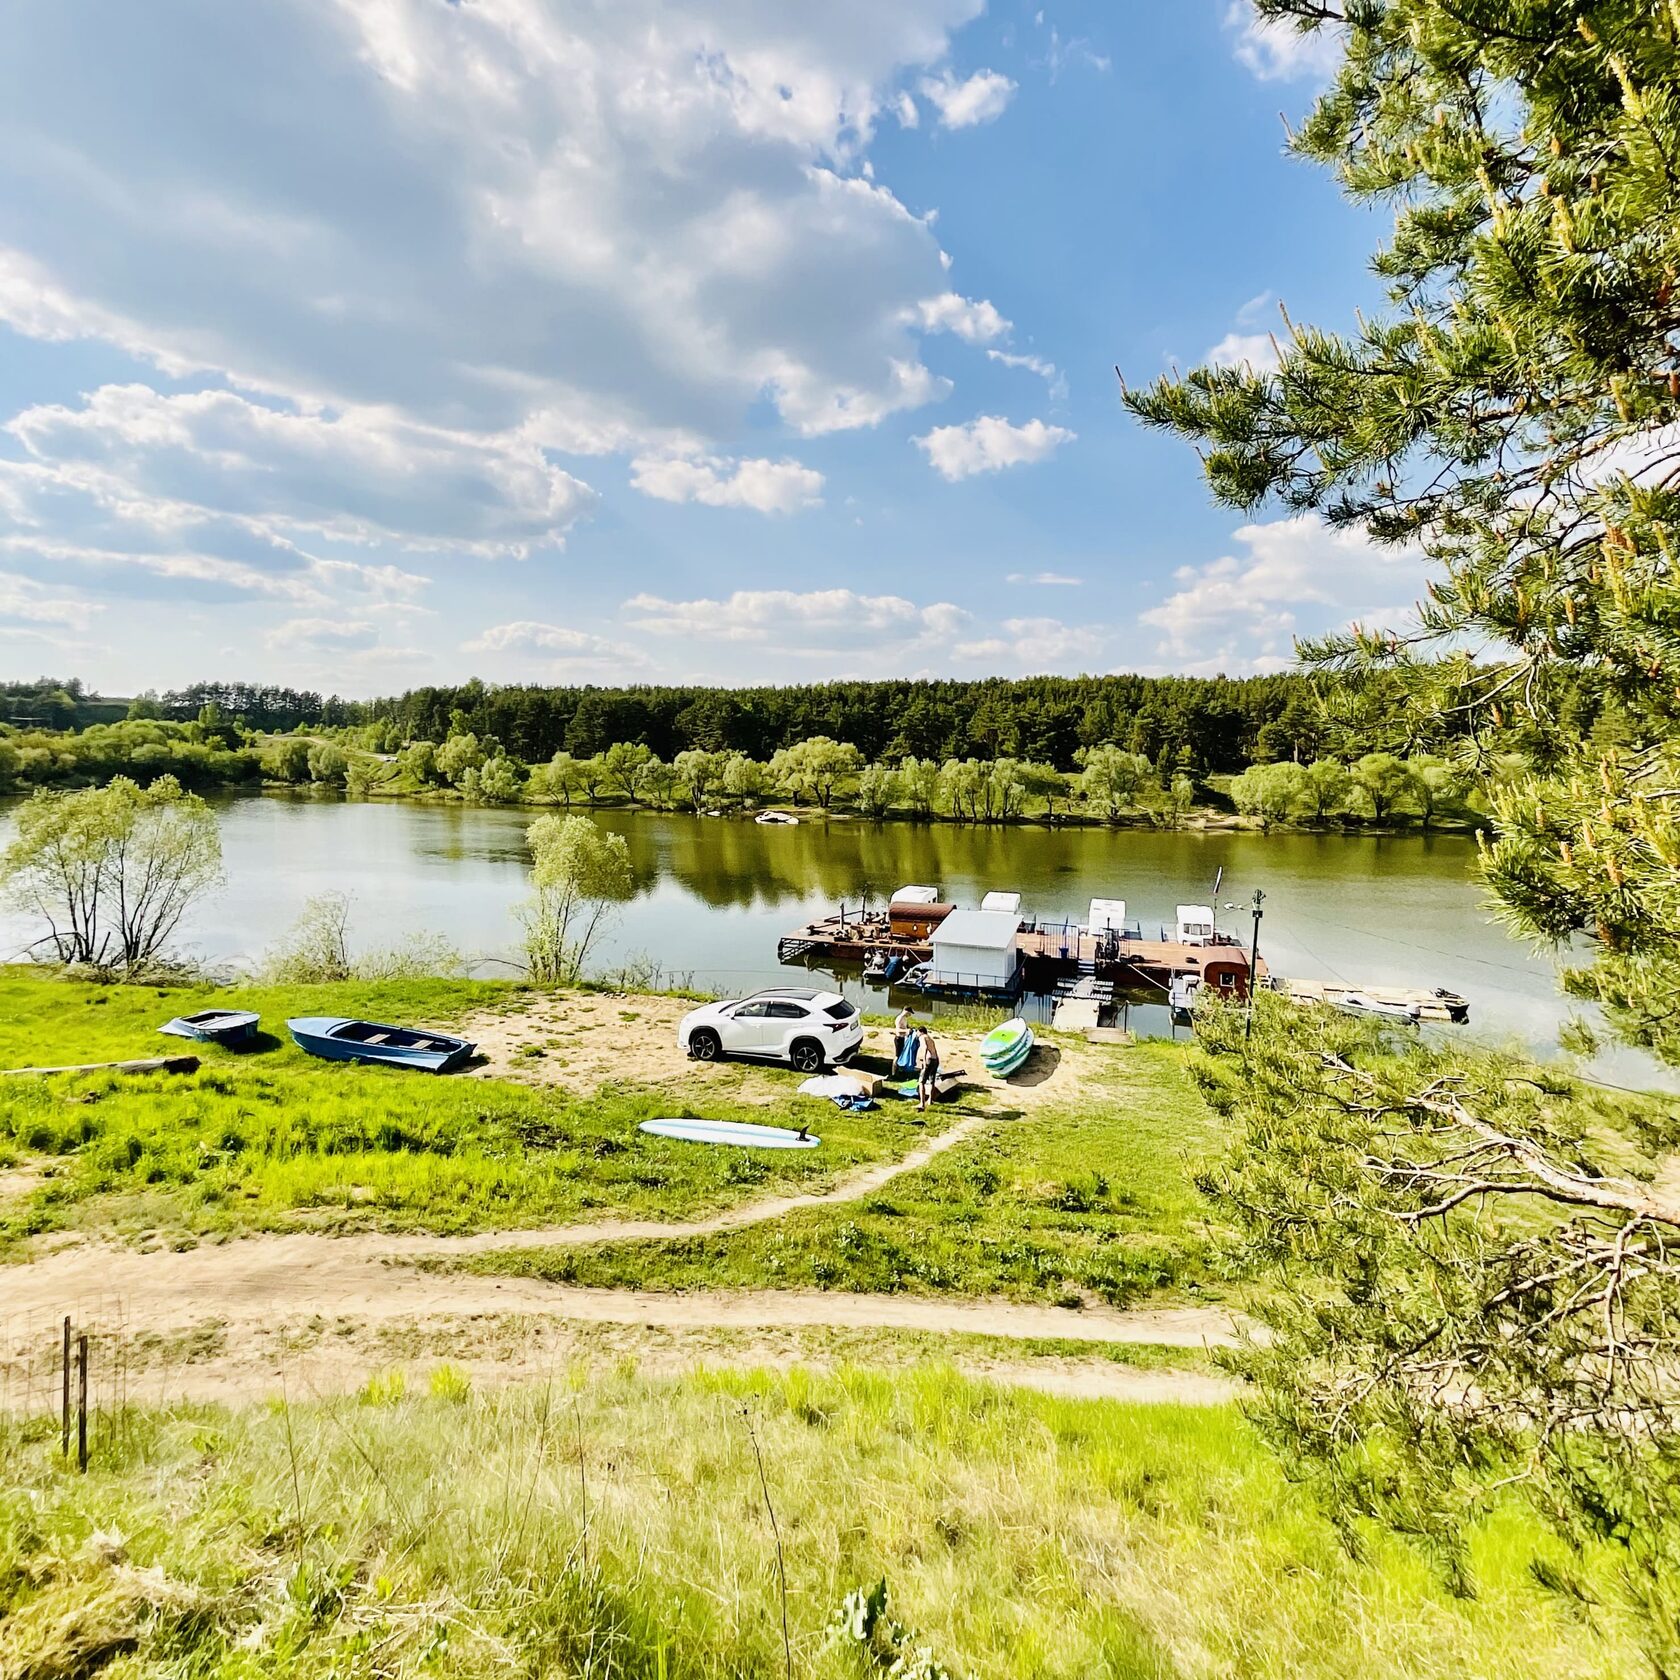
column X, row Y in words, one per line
column 613, row 1526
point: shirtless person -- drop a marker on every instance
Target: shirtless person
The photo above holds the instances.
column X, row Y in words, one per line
column 927, row 1081
column 903, row 1026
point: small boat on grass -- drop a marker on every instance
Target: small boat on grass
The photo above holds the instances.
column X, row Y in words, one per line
column 215, row 1026
column 1005, row 1048
column 337, row 1039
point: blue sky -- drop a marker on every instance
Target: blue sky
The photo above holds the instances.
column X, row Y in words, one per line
column 365, row 343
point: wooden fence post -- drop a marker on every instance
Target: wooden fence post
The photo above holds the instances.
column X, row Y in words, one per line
column 81, row 1401
column 64, row 1430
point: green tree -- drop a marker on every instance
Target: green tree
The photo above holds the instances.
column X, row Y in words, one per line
column 655, row 783
column 328, row 763
column 579, row 874
column 1384, row 780
column 918, row 780
column 1327, row 786
column 1110, row 778
column 112, row 870
column 877, row 790
column 458, row 755
column 499, row 781
column 1272, row 792
column 621, row 763
column 699, row 774
column 813, row 770
column 1506, row 414
column 1006, row 787
column 1046, row 782
column 358, row 779
column 418, row 760
column 745, row 779
column 287, row 760
column 962, row 788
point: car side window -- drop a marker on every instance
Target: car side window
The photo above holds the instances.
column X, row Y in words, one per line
column 752, row 1012
column 786, row 1012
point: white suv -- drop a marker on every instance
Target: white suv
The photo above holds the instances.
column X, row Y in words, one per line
column 806, row 1029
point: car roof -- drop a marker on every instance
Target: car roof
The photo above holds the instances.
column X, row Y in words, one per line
column 799, row 994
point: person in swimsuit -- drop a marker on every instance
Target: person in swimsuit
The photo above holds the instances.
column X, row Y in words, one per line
column 927, row 1083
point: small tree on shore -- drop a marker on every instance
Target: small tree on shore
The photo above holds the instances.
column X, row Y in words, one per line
column 112, row 870
column 579, row 873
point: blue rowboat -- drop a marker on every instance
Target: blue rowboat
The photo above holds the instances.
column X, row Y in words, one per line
column 338, row 1039
column 214, row 1026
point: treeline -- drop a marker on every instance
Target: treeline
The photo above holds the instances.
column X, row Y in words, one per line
column 199, row 754
column 1223, row 723
column 1378, row 786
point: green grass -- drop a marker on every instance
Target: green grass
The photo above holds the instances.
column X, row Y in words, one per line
column 433, row 1529
column 273, row 1139
column 1095, row 1199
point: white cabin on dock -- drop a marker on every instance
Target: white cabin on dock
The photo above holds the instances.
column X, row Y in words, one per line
column 977, row 950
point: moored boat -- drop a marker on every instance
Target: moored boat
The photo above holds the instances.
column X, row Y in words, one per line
column 1362, row 1003
column 338, row 1039
column 782, row 819
column 215, row 1026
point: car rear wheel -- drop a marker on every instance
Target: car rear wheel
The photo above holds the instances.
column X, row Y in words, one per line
column 806, row 1055
column 704, row 1045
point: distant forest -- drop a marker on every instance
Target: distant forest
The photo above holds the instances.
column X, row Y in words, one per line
column 1223, row 724
column 1209, row 725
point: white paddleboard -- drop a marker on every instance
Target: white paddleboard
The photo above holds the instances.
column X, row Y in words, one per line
column 737, row 1132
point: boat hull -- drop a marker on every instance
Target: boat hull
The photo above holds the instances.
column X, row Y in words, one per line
column 385, row 1046
column 214, row 1026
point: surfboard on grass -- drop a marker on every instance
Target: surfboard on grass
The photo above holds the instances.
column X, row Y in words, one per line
column 1005, row 1048
column 736, row 1132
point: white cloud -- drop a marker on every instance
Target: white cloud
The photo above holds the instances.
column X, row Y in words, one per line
column 906, row 112
column 1050, row 580
column 974, row 320
column 815, row 621
column 964, row 104
column 1296, row 577
column 559, row 648
column 764, row 486
column 600, row 225
column 1276, row 51
column 989, row 444
column 324, row 635
column 24, row 599
column 360, row 476
column 1039, row 644
column 1255, row 351
column 1046, row 370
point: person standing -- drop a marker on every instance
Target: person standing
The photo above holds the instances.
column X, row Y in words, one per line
column 903, row 1027
column 927, row 1082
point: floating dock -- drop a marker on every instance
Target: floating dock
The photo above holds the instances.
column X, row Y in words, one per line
column 1052, row 954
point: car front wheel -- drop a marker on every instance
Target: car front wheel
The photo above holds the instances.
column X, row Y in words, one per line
column 705, row 1045
column 806, row 1056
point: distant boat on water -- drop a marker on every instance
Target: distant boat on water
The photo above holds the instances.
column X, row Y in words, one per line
column 337, row 1039
column 781, row 819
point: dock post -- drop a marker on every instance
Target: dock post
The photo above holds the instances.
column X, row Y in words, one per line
column 1253, row 963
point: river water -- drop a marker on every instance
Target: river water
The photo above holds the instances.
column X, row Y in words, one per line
column 714, row 895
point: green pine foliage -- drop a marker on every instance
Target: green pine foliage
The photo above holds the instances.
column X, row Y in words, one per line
column 1510, row 414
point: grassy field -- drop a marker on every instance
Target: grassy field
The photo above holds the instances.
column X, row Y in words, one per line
column 618, row 1526
column 1094, row 1198
column 269, row 1141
